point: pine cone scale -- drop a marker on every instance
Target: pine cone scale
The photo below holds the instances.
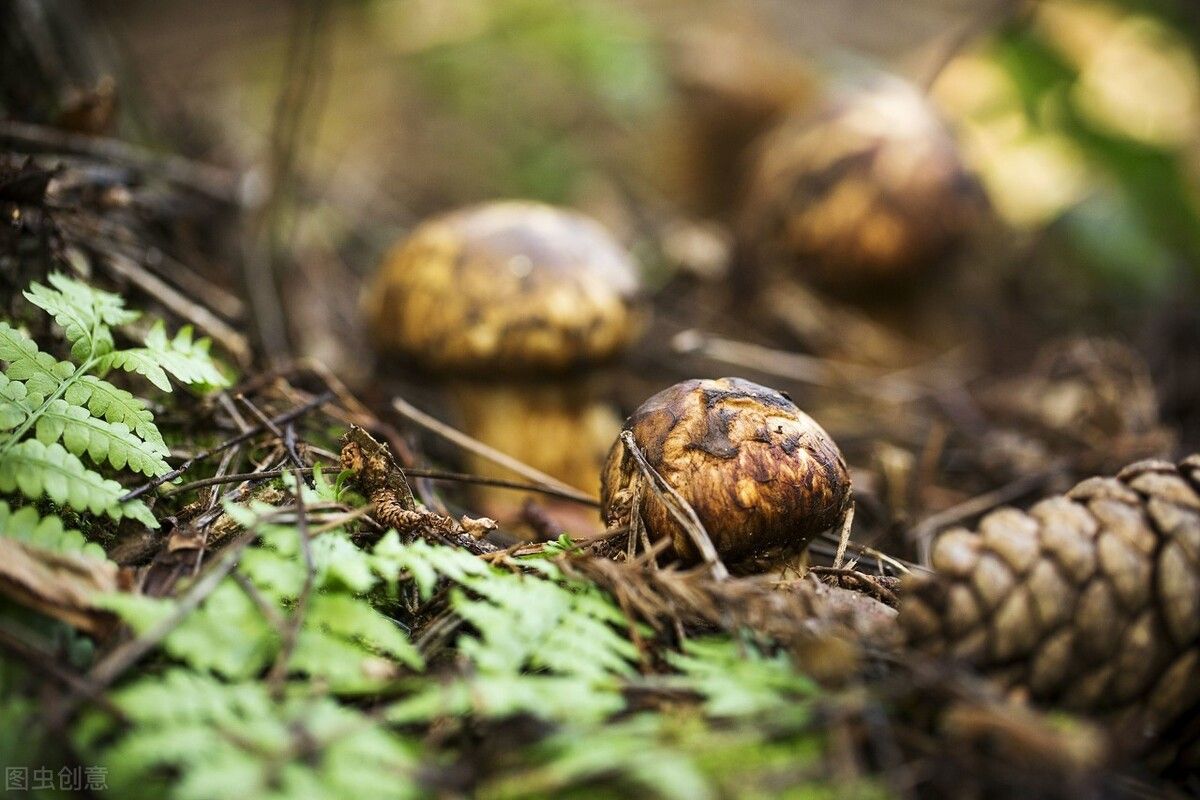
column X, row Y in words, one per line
column 1090, row 601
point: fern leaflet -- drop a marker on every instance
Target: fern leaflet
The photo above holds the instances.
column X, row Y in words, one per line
column 86, row 315
column 187, row 360
column 116, row 405
column 49, row 533
column 39, row 470
column 40, row 371
column 102, row 441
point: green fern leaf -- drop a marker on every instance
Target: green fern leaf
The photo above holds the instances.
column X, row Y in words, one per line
column 40, row 371
column 116, row 405
column 49, row 533
column 354, row 619
column 11, row 415
column 219, row 740
column 187, row 360
column 344, row 665
column 643, row 749
column 138, row 360
column 15, row 403
column 423, row 562
column 103, row 442
column 37, row 470
column 737, row 681
column 227, row 634
column 85, row 314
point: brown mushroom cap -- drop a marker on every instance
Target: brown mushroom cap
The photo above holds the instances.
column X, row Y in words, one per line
column 758, row 471
column 869, row 189
column 506, row 286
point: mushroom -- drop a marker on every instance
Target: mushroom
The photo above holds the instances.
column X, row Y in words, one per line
column 759, row 472
column 868, row 190
column 514, row 304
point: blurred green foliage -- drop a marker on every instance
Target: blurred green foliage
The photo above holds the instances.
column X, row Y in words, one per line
column 1139, row 222
column 543, row 78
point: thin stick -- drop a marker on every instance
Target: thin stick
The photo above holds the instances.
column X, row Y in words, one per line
column 176, row 301
column 349, row 516
column 680, row 509
column 989, row 18
column 412, row 472
column 219, row 184
column 297, row 105
column 410, row 412
column 288, row 444
column 285, row 417
column 264, row 606
column 844, row 539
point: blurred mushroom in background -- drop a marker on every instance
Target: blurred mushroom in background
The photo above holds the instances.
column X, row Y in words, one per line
column 514, row 304
column 868, row 192
column 733, row 82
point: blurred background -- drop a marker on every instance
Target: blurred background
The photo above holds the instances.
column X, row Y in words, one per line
column 1079, row 118
column 964, row 234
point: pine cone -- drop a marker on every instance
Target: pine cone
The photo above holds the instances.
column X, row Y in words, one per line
column 1089, row 602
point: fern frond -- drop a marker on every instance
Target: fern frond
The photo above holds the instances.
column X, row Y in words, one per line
column 40, row 371
column 116, row 405
column 102, row 441
column 423, row 563
column 524, row 621
column 48, row 533
column 187, row 360
column 644, row 750
column 226, row 635
column 85, row 314
column 354, row 619
column 41, row 470
column 735, row 680
column 220, row 740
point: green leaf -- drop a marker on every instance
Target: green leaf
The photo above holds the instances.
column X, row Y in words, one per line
column 354, row 619
column 529, row 622
column 102, row 441
column 116, row 405
column 16, row 403
column 141, row 361
column 736, row 681
column 40, row 371
column 85, row 314
column 139, row 611
column 187, row 360
column 38, row 470
column 48, row 533
column 233, row 739
column 424, row 562
column 639, row 749
column 227, row 635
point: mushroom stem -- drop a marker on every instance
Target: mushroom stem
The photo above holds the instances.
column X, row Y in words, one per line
column 555, row 426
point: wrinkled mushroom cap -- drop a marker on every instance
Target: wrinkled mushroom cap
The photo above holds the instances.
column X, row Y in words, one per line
column 759, row 472
column 505, row 287
column 870, row 188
